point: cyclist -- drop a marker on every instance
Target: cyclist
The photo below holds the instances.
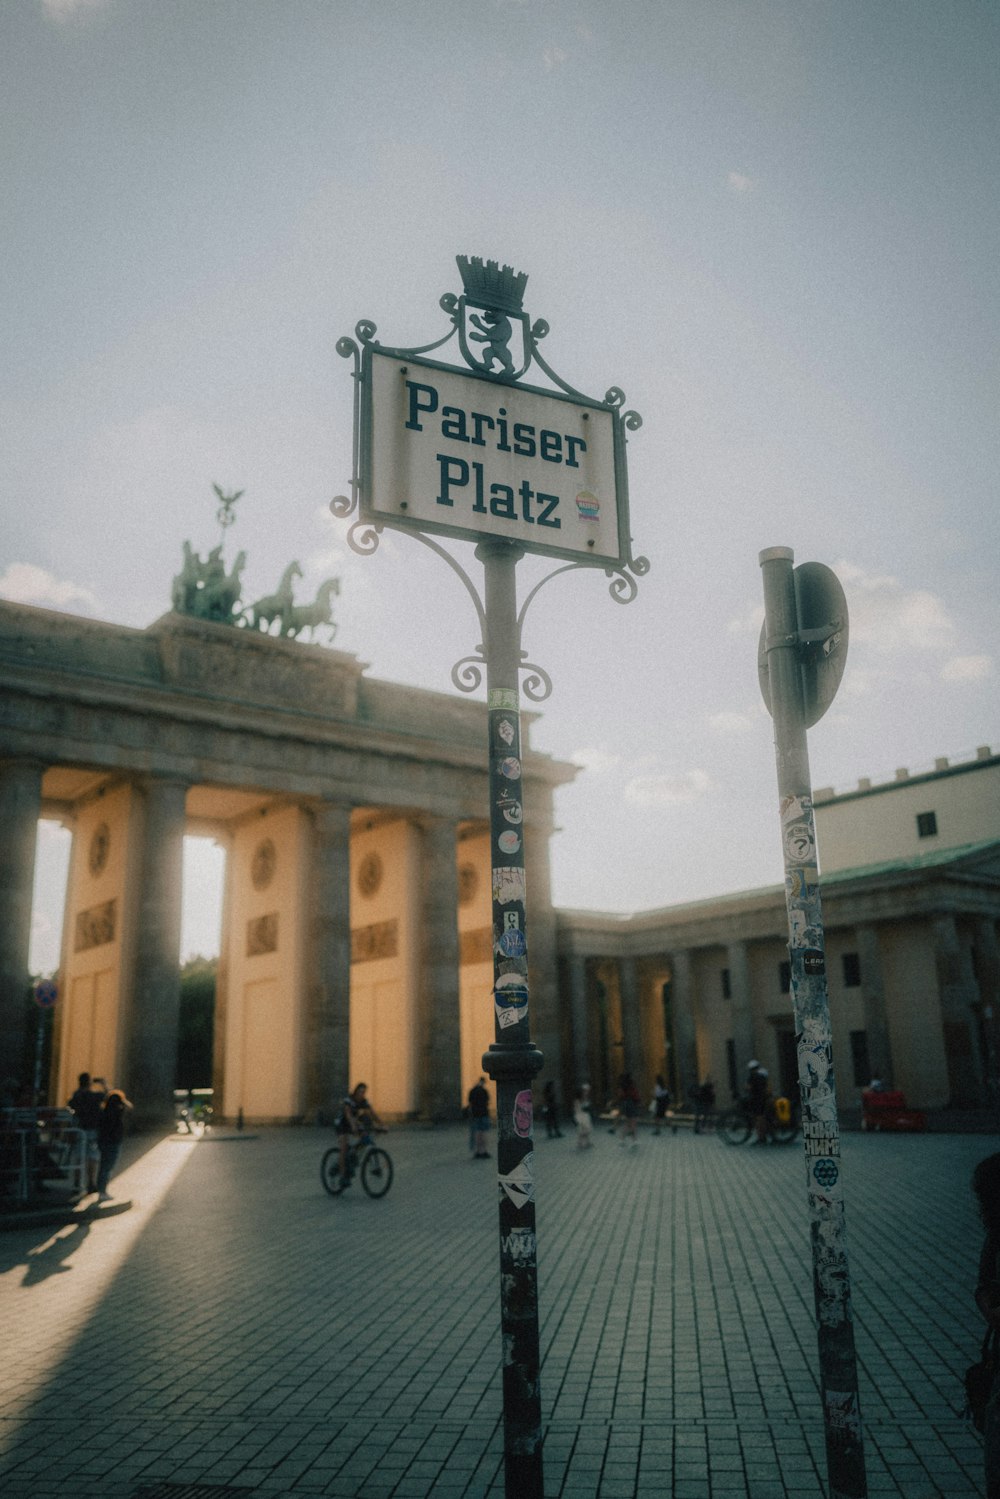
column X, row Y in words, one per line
column 758, row 1099
column 356, row 1118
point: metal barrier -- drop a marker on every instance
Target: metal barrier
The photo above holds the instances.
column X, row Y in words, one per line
column 39, row 1146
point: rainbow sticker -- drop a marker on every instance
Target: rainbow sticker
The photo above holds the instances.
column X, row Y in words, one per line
column 588, row 505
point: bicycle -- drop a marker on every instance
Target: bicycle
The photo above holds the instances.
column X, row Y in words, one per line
column 737, row 1124
column 194, row 1119
column 363, row 1156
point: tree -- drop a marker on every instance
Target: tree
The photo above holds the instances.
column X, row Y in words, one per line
column 196, row 1023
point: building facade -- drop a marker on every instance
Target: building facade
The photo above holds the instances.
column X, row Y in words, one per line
column 910, row 879
column 357, row 934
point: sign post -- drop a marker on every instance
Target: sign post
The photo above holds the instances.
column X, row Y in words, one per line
column 476, row 455
column 801, row 659
column 512, row 1061
column 45, row 995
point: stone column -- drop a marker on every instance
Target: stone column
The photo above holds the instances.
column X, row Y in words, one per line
column 156, row 989
column 958, row 992
column 328, row 999
column 873, row 1000
column 220, row 1019
column 20, row 804
column 628, row 977
column 577, row 967
column 987, row 954
column 740, row 994
column 439, row 1085
column 682, row 997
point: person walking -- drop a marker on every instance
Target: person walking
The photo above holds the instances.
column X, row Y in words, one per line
column 110, row 1134
column 628, row 1109
column 661, row 1103
column 758, row 1092
column 583, row 1119
column 704, row 1103
column 86, row 1105
column 479, row 1120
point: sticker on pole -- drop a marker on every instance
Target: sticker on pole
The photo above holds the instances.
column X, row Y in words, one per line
column 518, row 1246
column 511, row 999
column 512, row 943
column 519, row 1184
column 826, row 1172
column 523, row 1114
column 508, row 884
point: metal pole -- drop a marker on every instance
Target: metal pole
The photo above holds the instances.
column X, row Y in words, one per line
column 512, row 1061
column 806, row 950
column 39, row 1043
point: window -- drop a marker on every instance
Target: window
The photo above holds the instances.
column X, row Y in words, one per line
column 727, row 988
column 785, row 976
column 859, row 1059
column 926, row 824
column 851, row 965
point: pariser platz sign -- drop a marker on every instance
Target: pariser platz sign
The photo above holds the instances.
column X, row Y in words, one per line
column 467, row 455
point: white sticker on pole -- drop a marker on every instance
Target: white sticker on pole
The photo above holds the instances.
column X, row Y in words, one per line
column 519, row 1184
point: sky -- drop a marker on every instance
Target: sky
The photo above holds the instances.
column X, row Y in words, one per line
column 773, row 224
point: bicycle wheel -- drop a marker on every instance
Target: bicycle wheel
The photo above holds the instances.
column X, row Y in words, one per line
column 329, row 1171
column 734, row 1127
column 376, row 1172
column 784, row 1134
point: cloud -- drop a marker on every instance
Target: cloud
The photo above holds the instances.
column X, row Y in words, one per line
column 24, row 583
column 71, row 10
column 889, row 618
column 734, row 723
column 553, row 58
column 749, row 623
column 739, row 183
column 599, row 761
column 966, row 668
column 668, row 790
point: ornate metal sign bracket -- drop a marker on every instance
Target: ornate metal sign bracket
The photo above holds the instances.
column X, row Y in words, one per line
column 509, row 348
column 499, row 343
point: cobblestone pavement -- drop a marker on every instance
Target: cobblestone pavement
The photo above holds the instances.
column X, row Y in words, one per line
column 239, row 1331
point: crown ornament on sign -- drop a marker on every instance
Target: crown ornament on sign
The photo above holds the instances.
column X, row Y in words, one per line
column 489, row 285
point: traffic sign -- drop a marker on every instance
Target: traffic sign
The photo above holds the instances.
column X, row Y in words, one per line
column 46, row 993
column 821, row 609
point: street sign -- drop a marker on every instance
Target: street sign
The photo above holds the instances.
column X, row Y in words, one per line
column 821, row 609
column 45, row 994
column 467, row 455
column 478, row 455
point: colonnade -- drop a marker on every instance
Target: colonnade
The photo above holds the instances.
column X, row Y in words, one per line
column 353, row 938
column 912, row 1002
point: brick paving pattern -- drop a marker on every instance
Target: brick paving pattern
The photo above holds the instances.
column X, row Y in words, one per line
column 238, row 1331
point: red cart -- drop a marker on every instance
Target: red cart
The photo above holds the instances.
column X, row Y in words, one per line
column 887, row 1110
